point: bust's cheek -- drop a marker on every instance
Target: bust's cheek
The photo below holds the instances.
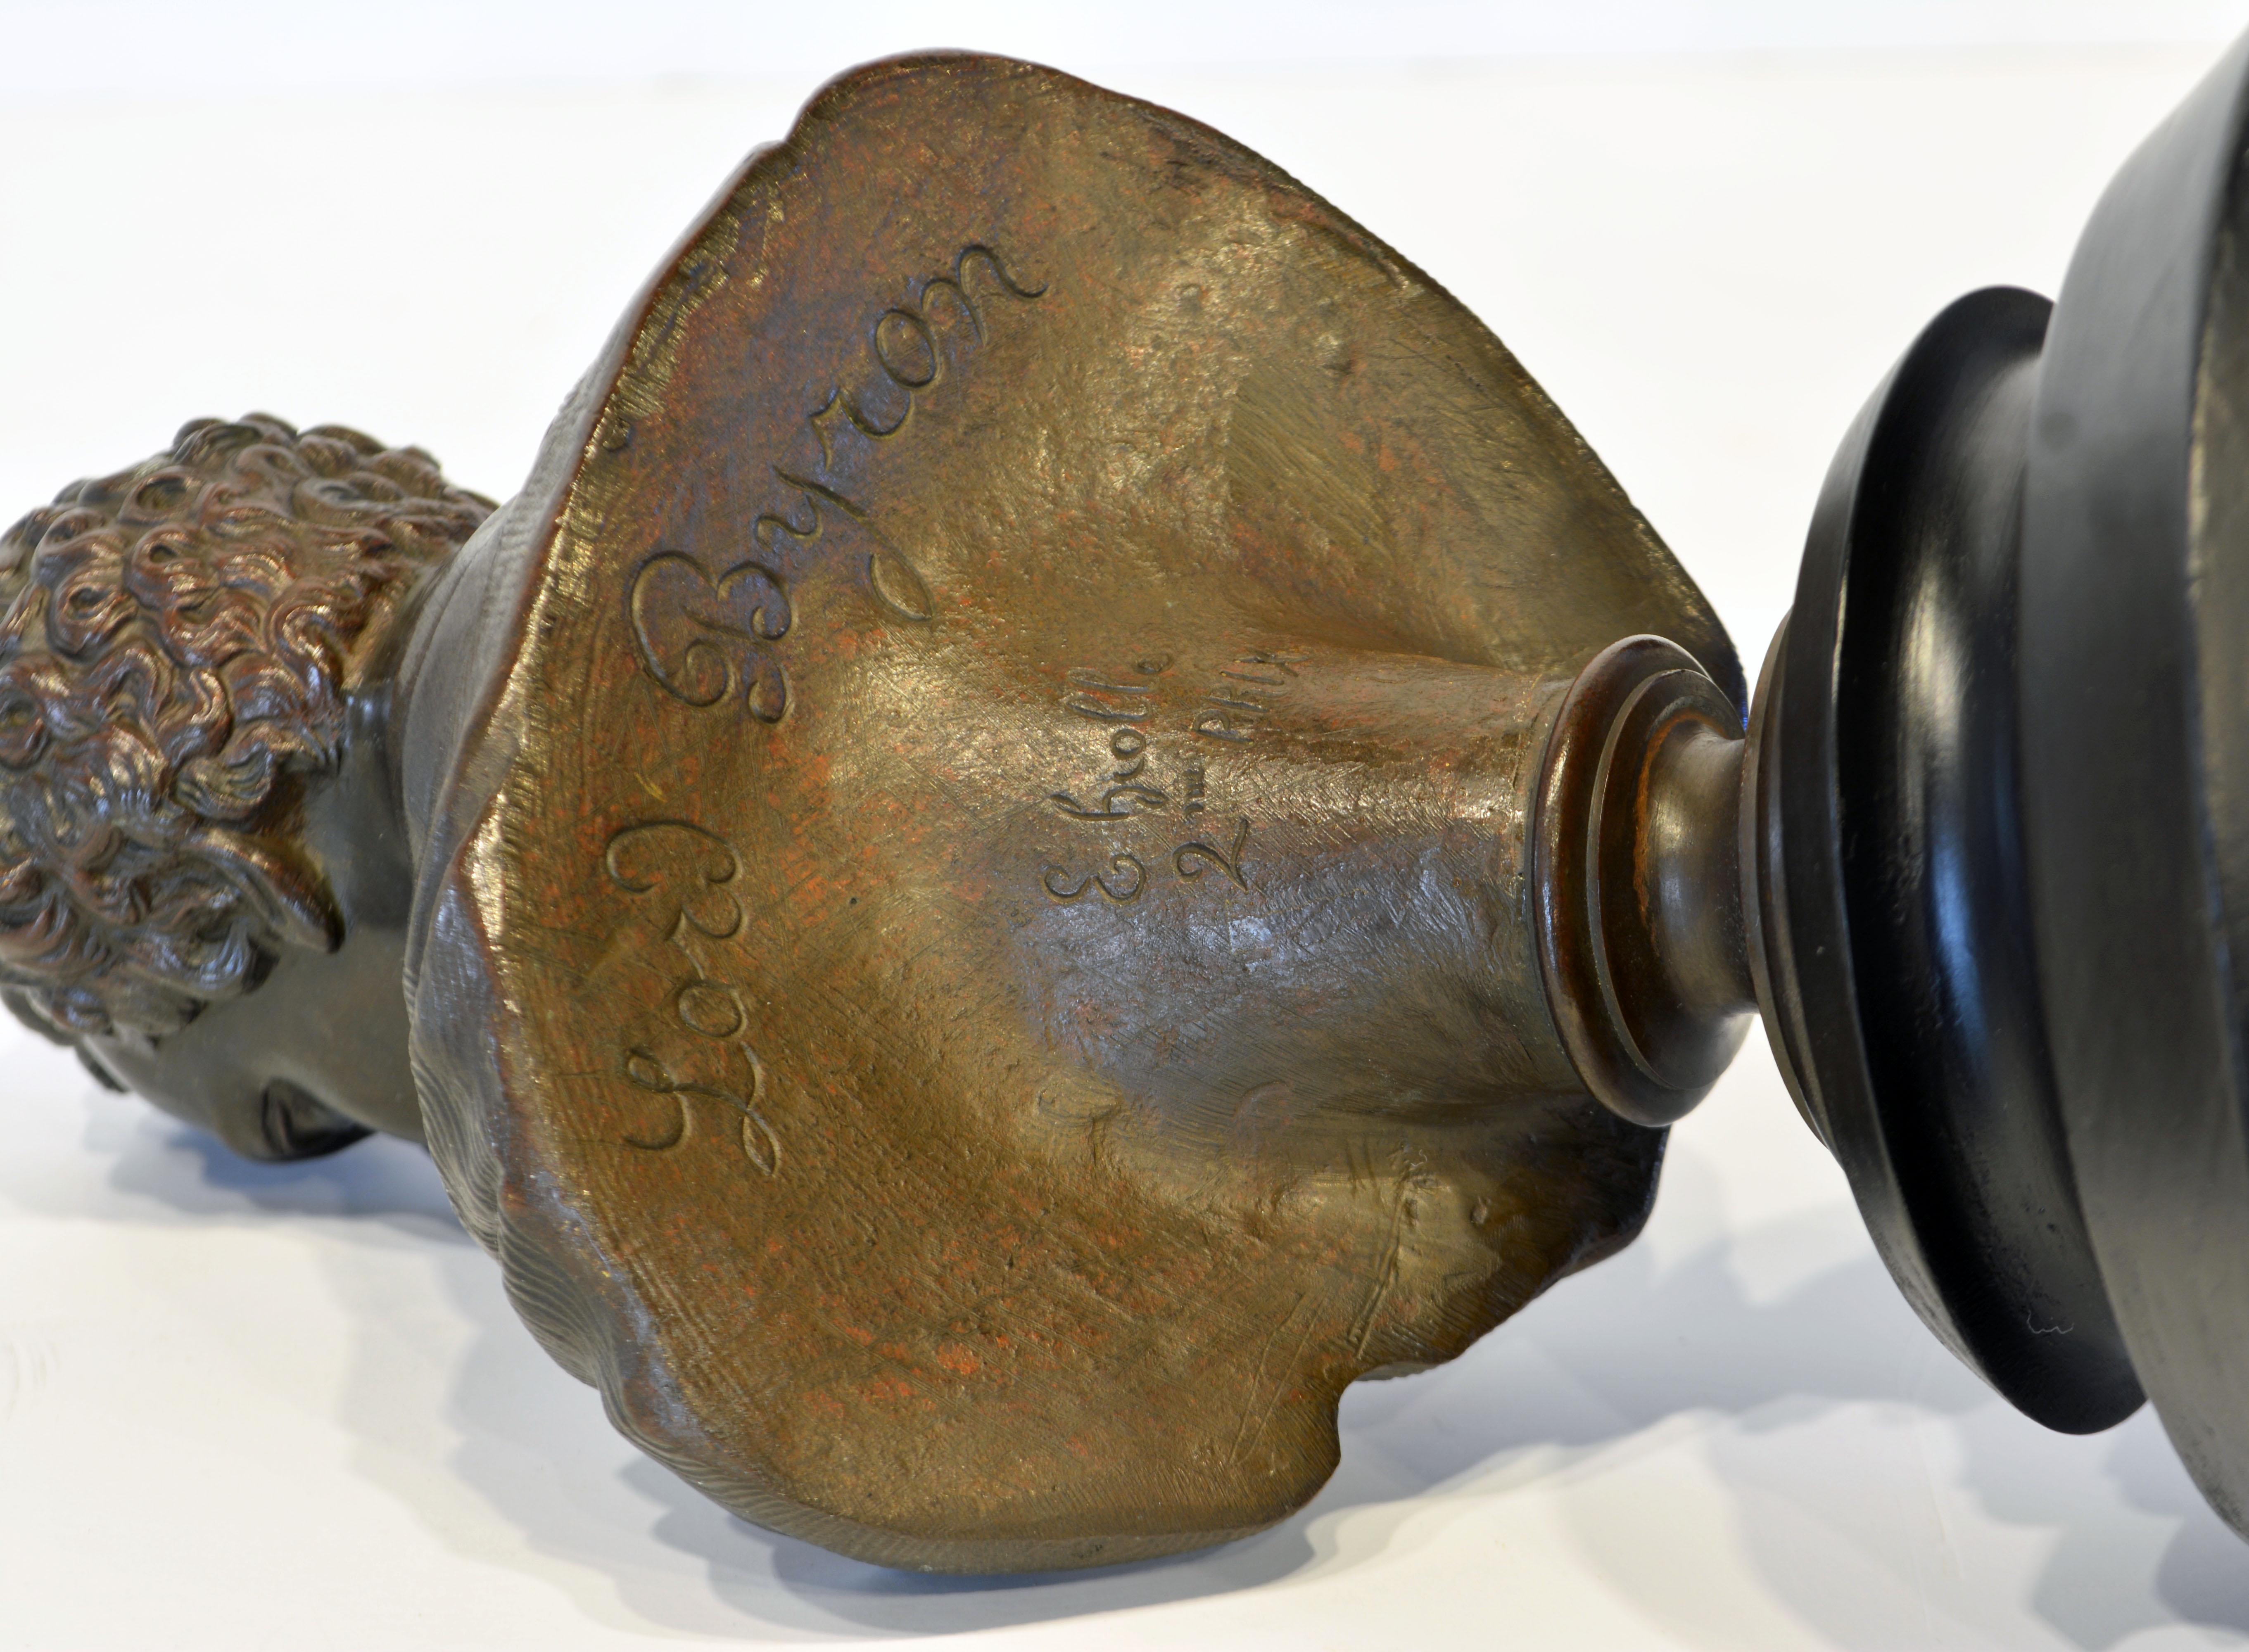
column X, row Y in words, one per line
column 199, row 1080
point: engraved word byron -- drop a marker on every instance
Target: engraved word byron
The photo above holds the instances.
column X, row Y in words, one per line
column 709, row 637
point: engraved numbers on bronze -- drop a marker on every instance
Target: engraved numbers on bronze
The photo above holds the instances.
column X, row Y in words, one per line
column 1131, row 878
column 707, row 638
column 685, row 876
column 1189, row 860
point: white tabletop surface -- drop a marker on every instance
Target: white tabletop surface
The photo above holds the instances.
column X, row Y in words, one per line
column 245, row 1406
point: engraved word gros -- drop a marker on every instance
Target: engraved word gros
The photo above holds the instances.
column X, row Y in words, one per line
column 1125, row 707
column 685, row 874
column 707, row 635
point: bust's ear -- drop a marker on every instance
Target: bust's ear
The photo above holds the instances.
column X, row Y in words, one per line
column 286, row 891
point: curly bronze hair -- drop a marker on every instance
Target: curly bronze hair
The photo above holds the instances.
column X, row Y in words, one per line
column 175, row 648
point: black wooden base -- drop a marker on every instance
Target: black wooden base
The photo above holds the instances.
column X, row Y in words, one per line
column 2001, row 818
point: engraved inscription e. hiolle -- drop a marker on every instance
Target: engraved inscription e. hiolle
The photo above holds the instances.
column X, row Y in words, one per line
column 1124, row 706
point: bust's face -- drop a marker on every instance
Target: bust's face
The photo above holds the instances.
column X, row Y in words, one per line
column 315, row 1055
column 980, row 974
column 283, row 1078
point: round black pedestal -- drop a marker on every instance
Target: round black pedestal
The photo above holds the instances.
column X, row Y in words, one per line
column 1888, row 743
column 2003, row 760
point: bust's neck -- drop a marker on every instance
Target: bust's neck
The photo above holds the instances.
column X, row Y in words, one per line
column 447, row 643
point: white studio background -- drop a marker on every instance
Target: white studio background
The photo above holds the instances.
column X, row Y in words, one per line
column 245, row 1407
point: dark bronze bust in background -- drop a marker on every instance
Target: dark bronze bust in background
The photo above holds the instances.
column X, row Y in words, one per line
column 1055, row 826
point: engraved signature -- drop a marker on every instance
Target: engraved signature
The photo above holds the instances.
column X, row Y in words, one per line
column 701, row 638
column 1127, row 745
column 1125, row 707
column 707, row 638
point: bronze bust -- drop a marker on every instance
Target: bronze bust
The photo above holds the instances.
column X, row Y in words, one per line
column 200, row 654
column 1066, row 815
